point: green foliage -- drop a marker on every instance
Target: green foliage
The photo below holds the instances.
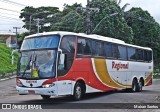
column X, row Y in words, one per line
column 48, row 16
column 110, row 25
column 146, row 31
column 69, row 8
column 5, row 60
column 21, row 37
column 67, row 22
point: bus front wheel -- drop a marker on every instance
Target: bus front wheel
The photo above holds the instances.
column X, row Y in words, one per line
column 78, row 91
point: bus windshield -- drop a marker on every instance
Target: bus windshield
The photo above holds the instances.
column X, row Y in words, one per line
column 38, row 58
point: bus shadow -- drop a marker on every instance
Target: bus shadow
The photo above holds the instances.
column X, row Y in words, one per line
column 69, row 99
column 143, row 91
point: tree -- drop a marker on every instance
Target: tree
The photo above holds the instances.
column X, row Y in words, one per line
column 112, row 26
column 67, row 23
column 48, row 16
column 21, row 38
column 146, row 31
column 69, row 18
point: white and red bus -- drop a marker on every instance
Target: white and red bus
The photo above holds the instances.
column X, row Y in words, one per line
column 66, row 63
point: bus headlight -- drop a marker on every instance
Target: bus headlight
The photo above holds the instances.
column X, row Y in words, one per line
column 48, row 85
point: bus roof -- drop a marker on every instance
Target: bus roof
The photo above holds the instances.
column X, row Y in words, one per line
column 92, row 36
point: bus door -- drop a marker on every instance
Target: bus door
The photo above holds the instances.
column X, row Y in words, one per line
column 65, row 60
column 64, row 85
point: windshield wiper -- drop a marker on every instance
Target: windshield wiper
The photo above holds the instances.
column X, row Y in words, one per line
column 28, row 64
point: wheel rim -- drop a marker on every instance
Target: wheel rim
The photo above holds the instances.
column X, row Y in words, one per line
column 140, row 85
column 134, row 87
column 78, row 92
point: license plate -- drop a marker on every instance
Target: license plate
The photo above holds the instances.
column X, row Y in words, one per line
column 31, row 91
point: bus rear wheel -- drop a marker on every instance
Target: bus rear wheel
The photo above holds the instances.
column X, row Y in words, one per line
column 78, row 91
column 140, row 84
column 45, row 97
column 135, row 86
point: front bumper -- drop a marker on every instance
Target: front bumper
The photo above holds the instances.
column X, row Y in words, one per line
column 39, row 91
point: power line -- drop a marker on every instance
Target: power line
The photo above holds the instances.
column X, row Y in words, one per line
column 8, row 23
column 10, row 10
column 13, row 3
column 8, row 14
column 9, row 17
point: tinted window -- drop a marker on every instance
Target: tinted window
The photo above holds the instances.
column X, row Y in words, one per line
column 122, row 52
column 84, row 46
column 139, row 54
column 108, row 50
column 93, row 47
column 99, row 49
column 115, row 51
column 67, row 44
column 145, row 55
column 149, row 55
column 131, row 53
column 87, row 48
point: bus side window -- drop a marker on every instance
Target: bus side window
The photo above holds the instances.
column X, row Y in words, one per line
column 93, row 47
column 145, row 56
column 99, row 49
column 139, row 53
column 115, row 51
column 149, row 55
column 84, row 46
column 108, row 50
column 131, row 53
column 67, row 44
column 122, row 52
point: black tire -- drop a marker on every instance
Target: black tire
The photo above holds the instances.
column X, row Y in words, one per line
column 46, row 97
column 78, row 91
column 135, row 86
column 140, row 85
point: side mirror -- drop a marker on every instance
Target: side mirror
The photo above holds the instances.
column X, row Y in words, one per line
column 61, row 61
column 12, row 60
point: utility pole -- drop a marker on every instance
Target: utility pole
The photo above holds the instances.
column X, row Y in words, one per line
column 88, row 20
column 38, row 26
column 88, row 16
column 16, row 34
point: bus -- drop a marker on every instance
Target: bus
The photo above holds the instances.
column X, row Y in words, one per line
column 66, row 63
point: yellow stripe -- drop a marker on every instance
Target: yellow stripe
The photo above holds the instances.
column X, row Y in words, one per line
column 146, row 81
column 127, row 86
column 102, row 71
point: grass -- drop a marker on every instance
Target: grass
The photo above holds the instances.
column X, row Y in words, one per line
column 5, row 60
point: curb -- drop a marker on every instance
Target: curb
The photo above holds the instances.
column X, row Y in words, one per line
column 8, row 78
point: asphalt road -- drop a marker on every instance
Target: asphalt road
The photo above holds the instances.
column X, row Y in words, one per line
column 150, row 94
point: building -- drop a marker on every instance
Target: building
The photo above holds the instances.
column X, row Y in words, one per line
column 9, row 40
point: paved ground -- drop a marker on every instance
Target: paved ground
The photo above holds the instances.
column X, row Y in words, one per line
column 149, row 94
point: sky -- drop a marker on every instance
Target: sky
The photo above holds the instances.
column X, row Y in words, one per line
column 10, row 19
